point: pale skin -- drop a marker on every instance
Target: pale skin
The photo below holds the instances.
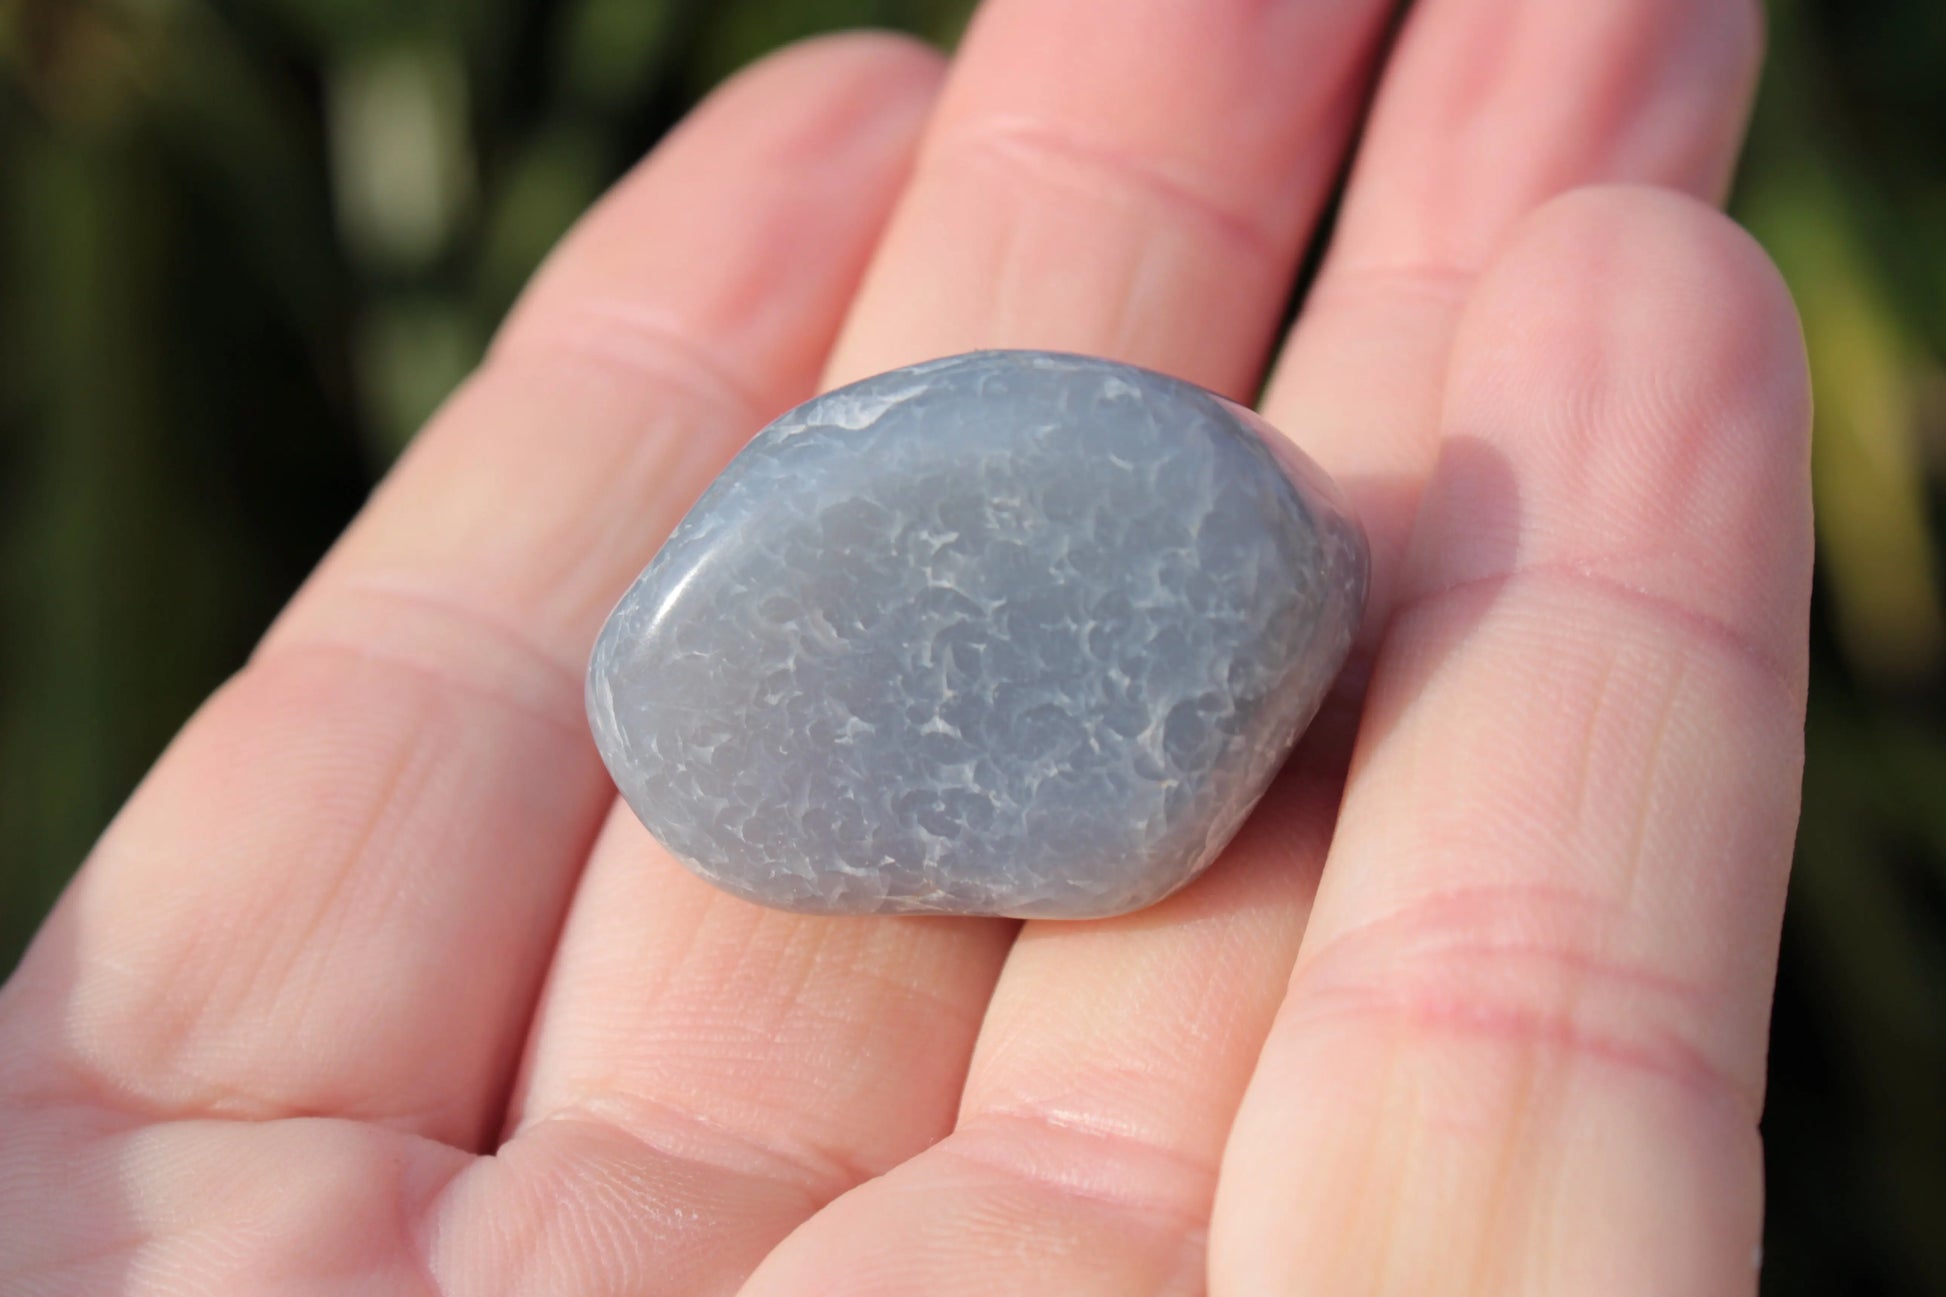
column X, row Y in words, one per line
column 370, row 989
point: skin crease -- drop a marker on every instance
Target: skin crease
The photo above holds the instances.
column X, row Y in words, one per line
column 369, row 989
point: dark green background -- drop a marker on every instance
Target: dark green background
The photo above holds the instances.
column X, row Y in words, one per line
column 211, row 347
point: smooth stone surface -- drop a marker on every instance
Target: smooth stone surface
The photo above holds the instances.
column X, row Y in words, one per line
column 1009, row 633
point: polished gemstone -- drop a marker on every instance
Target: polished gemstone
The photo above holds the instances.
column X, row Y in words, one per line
column 1010, row 633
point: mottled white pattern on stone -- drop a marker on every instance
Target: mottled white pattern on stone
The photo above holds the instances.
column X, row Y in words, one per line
column 1009, row 633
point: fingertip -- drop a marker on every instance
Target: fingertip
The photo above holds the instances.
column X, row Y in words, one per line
column 1631, row 371
column 1489, row 108
column 1620, row 287
column 1648, row 240
column 824, row 89
column 877, row 51
column 1128, row 178
column 768, row 198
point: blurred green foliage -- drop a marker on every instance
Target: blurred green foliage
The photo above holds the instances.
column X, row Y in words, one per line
column 245, row 245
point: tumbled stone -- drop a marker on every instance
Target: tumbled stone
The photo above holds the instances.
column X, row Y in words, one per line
column 1010, row 633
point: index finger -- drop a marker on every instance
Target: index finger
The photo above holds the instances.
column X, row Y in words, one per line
column 338, row 890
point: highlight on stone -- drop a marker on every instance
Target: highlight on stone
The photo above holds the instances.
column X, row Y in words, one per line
column 1010, row 633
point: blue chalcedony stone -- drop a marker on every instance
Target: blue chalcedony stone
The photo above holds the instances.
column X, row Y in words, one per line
column 1009, row 633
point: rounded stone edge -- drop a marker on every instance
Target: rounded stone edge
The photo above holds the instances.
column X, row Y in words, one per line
column 1311, row 483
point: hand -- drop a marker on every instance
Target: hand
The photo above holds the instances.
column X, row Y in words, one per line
column 369, row 990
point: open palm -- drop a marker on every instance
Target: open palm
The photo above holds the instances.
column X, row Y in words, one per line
column 370, row 990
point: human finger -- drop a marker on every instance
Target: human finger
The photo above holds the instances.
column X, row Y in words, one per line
column 1488, row 109
column 338, row 890
column 1522, row 1049
column 1133, row 180
column 1053, row 210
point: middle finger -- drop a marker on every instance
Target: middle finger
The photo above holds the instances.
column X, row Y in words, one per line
column 1128, row 178
column 1058, row 203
